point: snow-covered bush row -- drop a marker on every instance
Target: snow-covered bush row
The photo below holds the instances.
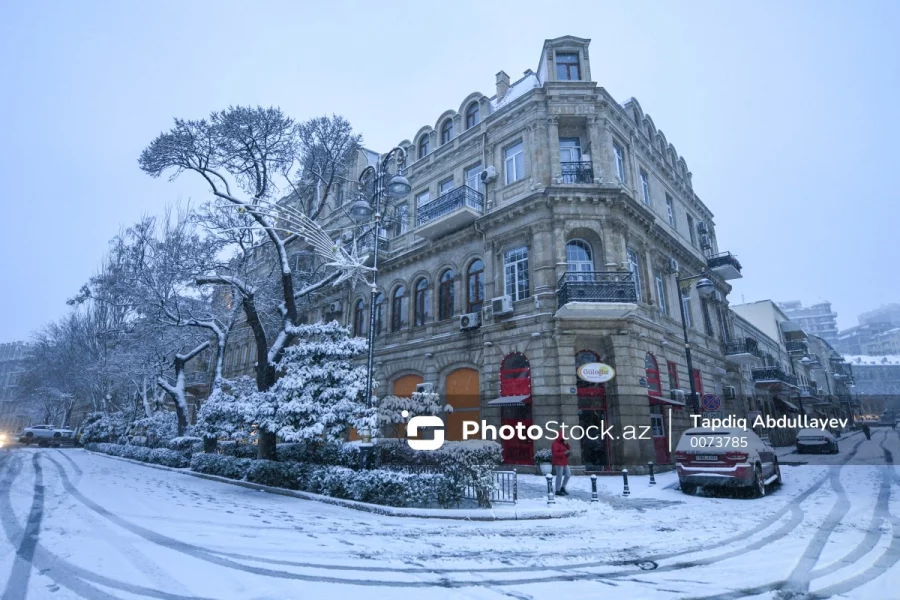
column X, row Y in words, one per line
column 103, row 427
column 232, row 448
column 187, row 445
column 221, row 465
column 159, row 428
column 158, row 456
column 276, row 474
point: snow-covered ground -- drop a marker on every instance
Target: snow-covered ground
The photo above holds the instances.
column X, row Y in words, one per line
column 77, row 525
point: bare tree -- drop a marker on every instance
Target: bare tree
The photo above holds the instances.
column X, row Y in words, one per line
column 250, row 157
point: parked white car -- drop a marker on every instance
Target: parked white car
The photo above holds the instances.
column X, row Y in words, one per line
column 45, row 435
column 725, row 458
column 816, row 440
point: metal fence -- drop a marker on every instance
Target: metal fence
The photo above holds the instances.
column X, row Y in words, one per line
column 506, row 488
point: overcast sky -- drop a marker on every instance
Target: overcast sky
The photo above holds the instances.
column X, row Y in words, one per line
column 785, row 113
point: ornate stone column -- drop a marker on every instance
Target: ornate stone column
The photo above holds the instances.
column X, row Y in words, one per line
column 553, row 143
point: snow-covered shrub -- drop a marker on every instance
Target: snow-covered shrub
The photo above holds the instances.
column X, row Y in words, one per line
column 329, row 481
column 134, row 452
column 543, row 456
column 469, row 463
column 105, row 427
column 298, row 452
column 232, row 448
column 390, row 409
column 224, row 466
column 230, row 411
column 320, row 390
column 158, row 428
column 187, row 445
column 277, row 474
column 396, row 452
column 396, row 488
column 169, row 458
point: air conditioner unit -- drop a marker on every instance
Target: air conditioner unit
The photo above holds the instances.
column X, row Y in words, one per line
column 425, row 388
column 335, row 307
column 502, row 305
column 470, row 321
column 730, row 392
column 677, row 395
column 705, row 242
column 674, row 267
column 702, row 227
column 489, row 174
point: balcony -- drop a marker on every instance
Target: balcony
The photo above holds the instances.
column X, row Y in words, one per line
column 596, row 294
column 365, row 245
column 814, row 361
column 577, row 172
column 725, row 265
column 796, row 346
column 809, row 391
column 455, row 209
column 773, row 378
column 740, row 352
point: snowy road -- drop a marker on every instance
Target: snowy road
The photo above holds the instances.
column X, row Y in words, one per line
column 77, row 525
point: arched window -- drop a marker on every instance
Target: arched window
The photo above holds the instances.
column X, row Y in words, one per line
column 472, row 115
column 445, row 295
column 446, row 131
column 515, row 375
column 424, row 146
column 379, row 312
column 398, row 309
column 422, row 304
column 475, row 286
column 579, row 260
column 652, row 367
column 358, row 318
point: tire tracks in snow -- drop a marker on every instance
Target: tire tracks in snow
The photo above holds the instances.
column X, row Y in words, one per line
column 60, row 571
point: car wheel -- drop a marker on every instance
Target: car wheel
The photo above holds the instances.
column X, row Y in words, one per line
column 688, row 488
column 837, row 448
column 759, row 484
column 777, row 473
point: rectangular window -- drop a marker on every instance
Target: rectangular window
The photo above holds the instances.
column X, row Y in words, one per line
column 670, row 210
column 707, row 322
column 514, row 162
column 693, row 235
column 445, row 186
column 645, row 187
column 673, row 375
column 661, row 294
column 686, row 303
column 402, row 219
column 473, row 177
column 620, row 161
column 515, row 272
column 698, row 382
column 567, row 67
column 340, row 198
column 634, row 266
column 423, row 199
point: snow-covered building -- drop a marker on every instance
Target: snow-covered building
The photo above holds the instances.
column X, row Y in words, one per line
column 12, row 359
column 544, row 230
column 877, row 380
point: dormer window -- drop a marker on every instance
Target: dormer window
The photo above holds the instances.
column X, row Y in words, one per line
column 472, row 115
column 568, row 67
column 424, row 147
column 447, row 131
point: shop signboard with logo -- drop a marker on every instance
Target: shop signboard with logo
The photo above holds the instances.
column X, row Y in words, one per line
column 595, row 372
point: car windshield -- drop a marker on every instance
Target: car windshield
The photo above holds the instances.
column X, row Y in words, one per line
column 297, row 305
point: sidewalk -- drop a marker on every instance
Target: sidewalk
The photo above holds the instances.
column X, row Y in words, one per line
column 642, row 497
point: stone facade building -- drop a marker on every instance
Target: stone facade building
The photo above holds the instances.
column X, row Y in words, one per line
column 816, row 319
column 12, row 357
column 543, row 231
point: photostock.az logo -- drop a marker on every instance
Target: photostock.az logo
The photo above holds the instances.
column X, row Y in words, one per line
column 417, row 423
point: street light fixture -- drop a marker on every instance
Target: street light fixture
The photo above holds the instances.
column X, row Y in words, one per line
column 362, row 211
column 706, row 288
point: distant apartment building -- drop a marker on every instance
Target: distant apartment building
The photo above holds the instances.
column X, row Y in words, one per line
column 877, row 334
column 888, row 313
column 877, row 381
column 12, row 358
column 816, row 319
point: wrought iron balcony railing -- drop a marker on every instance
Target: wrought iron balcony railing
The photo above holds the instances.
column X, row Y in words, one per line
column 447, row 203
column 577, row 172
column 744, row 346
column 815, row 361
column 596, row 286
column 808, row 391
column 796, row 346
column 773, row 374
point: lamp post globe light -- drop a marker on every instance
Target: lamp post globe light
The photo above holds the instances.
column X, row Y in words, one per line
column 371, row 211
column 706, row 288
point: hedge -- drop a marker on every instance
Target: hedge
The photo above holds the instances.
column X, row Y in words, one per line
column 158, row 456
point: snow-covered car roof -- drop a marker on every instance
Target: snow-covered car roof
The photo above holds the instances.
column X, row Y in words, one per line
column 814, row 433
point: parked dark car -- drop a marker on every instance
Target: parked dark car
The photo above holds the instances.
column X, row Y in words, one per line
column 816, row 440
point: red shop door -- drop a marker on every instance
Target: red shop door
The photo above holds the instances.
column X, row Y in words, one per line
column 517, row 451
column 658, row 433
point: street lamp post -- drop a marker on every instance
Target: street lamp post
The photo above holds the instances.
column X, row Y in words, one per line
column 361, row 211
column 706, row 288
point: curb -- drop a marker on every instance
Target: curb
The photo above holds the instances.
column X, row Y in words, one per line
column 514, row 514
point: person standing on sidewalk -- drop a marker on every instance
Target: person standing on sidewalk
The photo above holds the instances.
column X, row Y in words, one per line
column 561, row 450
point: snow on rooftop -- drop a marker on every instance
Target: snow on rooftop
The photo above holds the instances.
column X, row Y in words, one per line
column 516, row 90
column 865, row 359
